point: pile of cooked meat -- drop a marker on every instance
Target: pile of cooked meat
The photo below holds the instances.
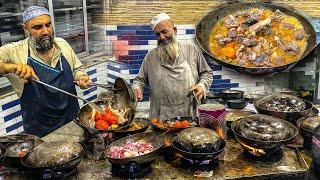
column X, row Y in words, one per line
column 258, row 38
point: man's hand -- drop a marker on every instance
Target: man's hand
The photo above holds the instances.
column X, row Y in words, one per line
column 24, row 71
column 198, row 90
column 138, row 94
column 83, row 81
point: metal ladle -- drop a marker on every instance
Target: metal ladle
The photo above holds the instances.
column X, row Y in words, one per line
column 91, row 104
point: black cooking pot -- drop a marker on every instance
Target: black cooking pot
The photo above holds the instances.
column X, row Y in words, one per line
column 291, row 116
column 203, row 30
column 237, row 103
column 69, row 164
column 229, row 94
column 156, row 141
column 257, row 142
column 307, row 127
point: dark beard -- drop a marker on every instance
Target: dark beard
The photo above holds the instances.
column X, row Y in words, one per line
column 43, row 43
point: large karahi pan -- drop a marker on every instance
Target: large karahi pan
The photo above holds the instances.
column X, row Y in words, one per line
column 263, row 144
column 124, row 98
column 289, row 116
column 156, row 141
column 203, row 29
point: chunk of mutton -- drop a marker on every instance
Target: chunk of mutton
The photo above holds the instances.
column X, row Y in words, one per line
column 254, row 29
column 300, row 34
column 223, row 41
column 231, row 22
column 253, row 17
column 232, row 33
column 249, row 42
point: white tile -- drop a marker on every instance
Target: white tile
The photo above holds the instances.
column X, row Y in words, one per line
column 5, row 100
column 3, row 132
column 20, row 129
column 6, row 112
column 185, row 36
column 8, row 123
column 186, row 26
column 14, row 97
column 152, row 42
column 181, row 31
column 111, row 27
column 312, row 73
column 124, row 71
column 15, row 131
column 146, row 47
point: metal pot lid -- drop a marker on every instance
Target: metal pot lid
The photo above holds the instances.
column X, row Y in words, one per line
column 198, row 140
column 281, row 103
column 265, row 128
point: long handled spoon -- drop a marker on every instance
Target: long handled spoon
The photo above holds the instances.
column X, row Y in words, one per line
column 91, row 104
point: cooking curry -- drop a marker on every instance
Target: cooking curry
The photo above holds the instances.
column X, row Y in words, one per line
column 258, row 38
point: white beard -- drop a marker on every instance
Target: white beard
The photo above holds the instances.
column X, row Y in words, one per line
column 169, row 51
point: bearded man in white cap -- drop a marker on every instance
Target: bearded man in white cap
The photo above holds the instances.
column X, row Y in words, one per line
column 43, row 57
column 173, row 71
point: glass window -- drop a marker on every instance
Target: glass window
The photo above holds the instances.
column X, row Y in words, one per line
column 96, row 32
column 69, row 23
column 11, row 19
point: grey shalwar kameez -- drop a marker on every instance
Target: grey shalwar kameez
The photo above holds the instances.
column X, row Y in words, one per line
column 170, row 83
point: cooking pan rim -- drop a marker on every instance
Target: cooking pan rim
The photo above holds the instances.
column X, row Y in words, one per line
column 14, row 143
column 256, row 68
column 146, row 121
column 97, row 131
column 132, row 159
column 296, row 131
column 80, row 155
column 299, row 122
column 291, row 112
column 201, row 154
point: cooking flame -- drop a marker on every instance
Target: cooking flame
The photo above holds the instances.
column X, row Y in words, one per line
column 252, row 150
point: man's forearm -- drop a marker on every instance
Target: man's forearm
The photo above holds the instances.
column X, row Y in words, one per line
column 6, row 68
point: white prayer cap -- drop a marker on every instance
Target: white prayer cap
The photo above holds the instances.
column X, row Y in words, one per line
column 34, row 11
column 158, row 18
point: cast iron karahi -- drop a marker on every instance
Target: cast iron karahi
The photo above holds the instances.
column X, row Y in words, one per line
column 198, row 152
column 178, row 118
column 292, row 116
column 70, row 164
column 8, row 140
column 203, row 30
column 144, row 126
column 307, row 132
column 123, row 98
column 263, row 144
column 156, row 141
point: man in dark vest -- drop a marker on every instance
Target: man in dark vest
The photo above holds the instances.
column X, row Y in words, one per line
column 46, row 58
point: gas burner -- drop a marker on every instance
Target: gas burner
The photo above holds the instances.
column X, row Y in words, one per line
column 199, row 165
column 132, row 170
column 271, row 156
column 63, row 175
column 14, row 173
